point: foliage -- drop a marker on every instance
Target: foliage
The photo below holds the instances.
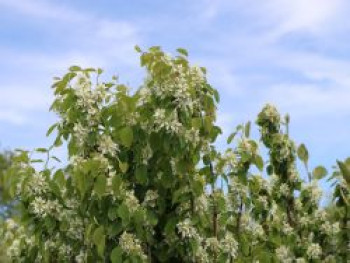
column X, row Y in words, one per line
column 5, row 198
column 145, row 183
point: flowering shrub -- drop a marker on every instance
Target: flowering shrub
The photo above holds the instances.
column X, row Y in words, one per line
column 144, row 182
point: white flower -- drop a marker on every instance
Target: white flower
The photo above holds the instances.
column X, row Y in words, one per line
column 202, row 255
column 150, row 198
column 314, row 191
column 330, row 229
column 212, row 244
column 186, row 229
column 229, row 245
column 284, row 189
column 287, row 229
column 304, row 221
column 38, row 184
column 314, row 251
column 80, row 258
column 169, row 123
column 14, row 249
column 42, row 208
column 11, row 224
column 201, row 203
column 131, row 245
column 320, row 215
column 298, row 204
column 263, row 200
column 131, row 201
column 256, row 229
column 283, row 254
column 159, row 114
column 107, row 145
column 80, row 133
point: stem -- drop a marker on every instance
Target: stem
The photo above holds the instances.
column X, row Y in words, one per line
column 239, row 219
column 215, row 212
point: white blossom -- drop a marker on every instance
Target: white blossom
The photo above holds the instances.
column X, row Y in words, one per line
column 107, row 145
column 131, row 245
column 151, row 198
column 229, row 245
column 131, row 201
column 283, row 254
column 186, row 229
column 314, row 251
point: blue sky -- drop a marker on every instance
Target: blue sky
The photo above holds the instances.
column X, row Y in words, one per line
column 294, row 54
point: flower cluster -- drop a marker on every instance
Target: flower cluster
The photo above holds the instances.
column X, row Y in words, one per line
column 131, row 245
column 186, row 229
column 314, row 251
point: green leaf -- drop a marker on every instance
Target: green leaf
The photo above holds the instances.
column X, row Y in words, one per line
column 100, row 185
column 216, row 96
column 126, row 136
column 259, row 162
column 231, row 137
column 138, row 49
column 247, row 129
column 75, row 68
column 182, row 51
column 123, row 166
column 345, row 170
column 197, row 122
column 41, row 150
column 303, row 153
column 123, row 213
column 116, row 255
column 56, row 159
column 319, row 172
column 141, row 174
column 51, row 129
column 99, row 239
column 59, row 178
column 112, row 213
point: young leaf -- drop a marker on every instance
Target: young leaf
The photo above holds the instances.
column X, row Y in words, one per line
column 138, row 49
column 75, row 68
column 319, row 172
column 182, row 51
column 247, row 129
column 231, row 137
column 51, row 129
column 303, row 153
column 259, row 162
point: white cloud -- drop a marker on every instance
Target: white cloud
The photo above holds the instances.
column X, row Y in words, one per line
column 81, row 39
column 308, row 101
column 305, row 15
column 42, row 9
